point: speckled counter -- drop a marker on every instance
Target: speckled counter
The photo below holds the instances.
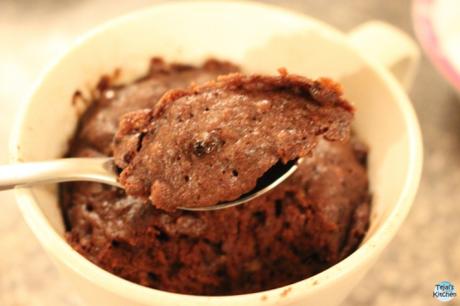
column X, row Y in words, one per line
column 425, row 251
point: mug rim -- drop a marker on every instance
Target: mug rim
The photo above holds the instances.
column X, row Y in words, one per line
column 57, row 246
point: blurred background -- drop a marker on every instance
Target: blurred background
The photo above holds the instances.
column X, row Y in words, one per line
column 425, row 251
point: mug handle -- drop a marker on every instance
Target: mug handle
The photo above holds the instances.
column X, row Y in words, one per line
column 389, row 46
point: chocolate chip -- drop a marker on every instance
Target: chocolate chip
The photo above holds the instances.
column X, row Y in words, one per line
column 206, row 143
column 199, row 148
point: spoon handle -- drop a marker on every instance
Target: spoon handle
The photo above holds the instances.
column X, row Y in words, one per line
column 59, row 170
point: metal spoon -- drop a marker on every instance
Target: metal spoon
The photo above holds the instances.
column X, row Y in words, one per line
column 103, row 170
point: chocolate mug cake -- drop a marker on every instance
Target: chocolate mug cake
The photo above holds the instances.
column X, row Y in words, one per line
column 308, row 223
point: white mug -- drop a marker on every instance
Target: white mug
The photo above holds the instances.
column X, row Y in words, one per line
column 260, row 38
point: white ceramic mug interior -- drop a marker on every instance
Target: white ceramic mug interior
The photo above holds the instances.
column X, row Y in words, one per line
column 261, row 39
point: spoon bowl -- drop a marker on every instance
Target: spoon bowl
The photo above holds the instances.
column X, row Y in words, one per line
column 271, row 179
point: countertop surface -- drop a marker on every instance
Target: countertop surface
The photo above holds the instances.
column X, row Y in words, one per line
column 425, row 251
